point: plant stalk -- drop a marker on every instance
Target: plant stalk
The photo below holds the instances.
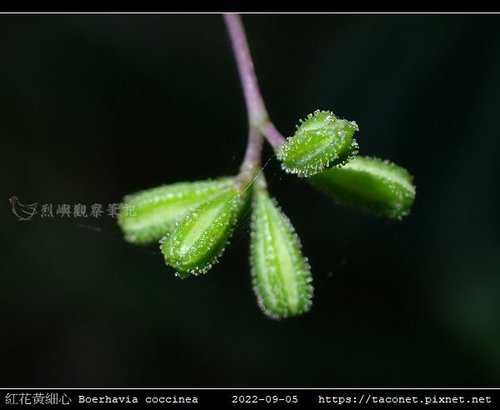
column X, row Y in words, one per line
column 258, row 118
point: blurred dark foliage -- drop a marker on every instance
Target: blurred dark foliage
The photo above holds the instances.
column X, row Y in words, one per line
column 93, row 107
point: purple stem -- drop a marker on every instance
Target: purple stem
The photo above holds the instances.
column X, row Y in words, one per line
column 272, row 135
column 256, row 109
column 251, row 162
column 258, row 118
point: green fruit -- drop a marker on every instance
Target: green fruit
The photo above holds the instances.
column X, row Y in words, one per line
column 199, row 238
column 149, row 215
column 370, row 184
column 320, row 142
column 281, row 274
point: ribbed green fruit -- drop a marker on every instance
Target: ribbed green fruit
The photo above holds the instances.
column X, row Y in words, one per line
column 149, row 215
column 199, row 237
column 370, row 184
column 281, row 274
column 320, row 142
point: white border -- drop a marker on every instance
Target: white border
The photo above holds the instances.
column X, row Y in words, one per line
column 255, row 13
column 251, row 388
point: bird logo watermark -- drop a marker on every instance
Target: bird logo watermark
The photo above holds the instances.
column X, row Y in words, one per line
column 27, row 212
column 22, row 211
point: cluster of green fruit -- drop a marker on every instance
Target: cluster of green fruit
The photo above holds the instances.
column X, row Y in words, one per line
column 193, row 221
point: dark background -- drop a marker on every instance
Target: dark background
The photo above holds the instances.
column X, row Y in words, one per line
column 95, row 107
